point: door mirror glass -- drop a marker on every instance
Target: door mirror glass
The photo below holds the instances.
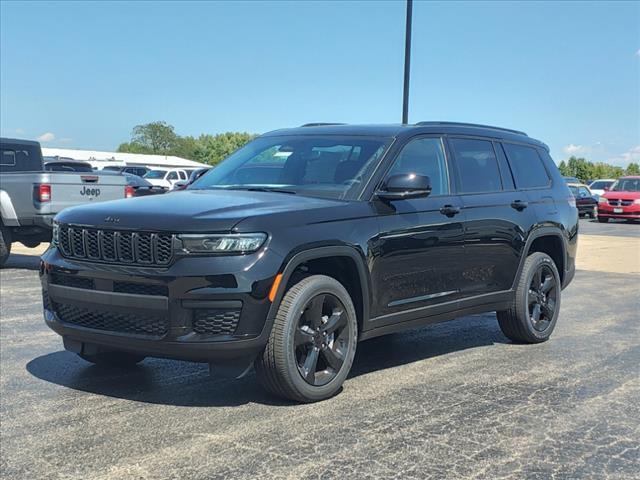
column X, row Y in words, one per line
column 408, row 185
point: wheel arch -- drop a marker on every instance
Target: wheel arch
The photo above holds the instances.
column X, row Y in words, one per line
column 545, row 240
column 328, row 260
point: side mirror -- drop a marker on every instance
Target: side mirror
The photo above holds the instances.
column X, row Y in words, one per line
column 410, row 185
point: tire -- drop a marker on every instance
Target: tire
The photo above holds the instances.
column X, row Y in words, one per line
column 309, row 309
column 519, row 323
column 113, row 359
column 603, row 219
column 5, row 244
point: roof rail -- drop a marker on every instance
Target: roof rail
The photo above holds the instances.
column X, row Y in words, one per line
column 474, row 125
column 321, row 124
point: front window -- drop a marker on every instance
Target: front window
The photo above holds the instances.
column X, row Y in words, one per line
column 601, row 184
column 156, row 174
column 315, row 165
column 626, row 185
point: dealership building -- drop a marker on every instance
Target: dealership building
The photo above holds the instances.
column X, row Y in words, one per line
column 100, row 159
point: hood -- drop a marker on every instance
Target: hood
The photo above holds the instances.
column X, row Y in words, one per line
column 190, row 210
column 621, row 195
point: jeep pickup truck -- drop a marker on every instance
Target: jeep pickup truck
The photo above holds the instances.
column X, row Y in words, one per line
column 30, row 197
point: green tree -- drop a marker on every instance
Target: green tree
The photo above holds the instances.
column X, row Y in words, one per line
column 633, row 169
column 154, row 137
column 212, row 149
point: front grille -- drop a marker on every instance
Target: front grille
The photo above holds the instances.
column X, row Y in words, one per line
column 137, row 248
column 133, row 323
column 45, row 300
column 618, row 202
column 216, row 321
column 71, row 281
column 140, row 288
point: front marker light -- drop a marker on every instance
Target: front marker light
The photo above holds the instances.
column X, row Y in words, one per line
column 55, row 233
column 229, row 243
column 602, row 200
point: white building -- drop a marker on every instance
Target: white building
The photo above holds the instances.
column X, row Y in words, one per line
column 100, row 159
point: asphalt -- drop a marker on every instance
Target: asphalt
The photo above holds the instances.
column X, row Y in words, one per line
column 455, row 400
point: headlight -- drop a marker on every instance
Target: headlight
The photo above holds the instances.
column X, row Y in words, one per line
column 224, row 243
column 637, row 201
column 55, row 234
column 603, row 200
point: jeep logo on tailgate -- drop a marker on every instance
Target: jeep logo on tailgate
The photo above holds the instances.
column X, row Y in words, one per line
column 90, row 192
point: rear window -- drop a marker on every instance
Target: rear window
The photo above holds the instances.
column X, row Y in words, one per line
column 526, row 165
column 477, row 165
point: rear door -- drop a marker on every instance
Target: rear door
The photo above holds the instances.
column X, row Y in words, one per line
column 419, row 252
column 497, row 215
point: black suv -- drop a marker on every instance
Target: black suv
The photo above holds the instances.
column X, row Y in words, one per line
column 308, row 240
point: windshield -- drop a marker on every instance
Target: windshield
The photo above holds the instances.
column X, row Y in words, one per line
column 574, row 190
column 315, row 165
column 601, row 184
column 156, row 174
column 626, row 185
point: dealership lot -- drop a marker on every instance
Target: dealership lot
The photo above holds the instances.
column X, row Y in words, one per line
column 453, row 400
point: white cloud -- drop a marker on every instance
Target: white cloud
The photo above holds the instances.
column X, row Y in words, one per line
column 572, row 149
column 20, row 131
column 46, row 137
column 624, row 159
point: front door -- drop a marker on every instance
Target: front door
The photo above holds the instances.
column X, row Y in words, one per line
column 418, row 255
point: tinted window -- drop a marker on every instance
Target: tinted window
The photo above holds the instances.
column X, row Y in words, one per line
column 424, row 156
column 477, row 165
column 8, row 158
column 583, row 192
column 601, row 184
column 172, row 176
column 527, row 167
column 20, row 158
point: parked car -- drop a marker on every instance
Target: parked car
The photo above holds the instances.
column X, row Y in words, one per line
column 598, row 187
column 62, row 164
column 166, row 177
column 367, row 230
column 622, row 200
column 30, row 196
column 136, row 186
column 571, row 180
column 132, row 170
column 193, row 176
column 585, row 200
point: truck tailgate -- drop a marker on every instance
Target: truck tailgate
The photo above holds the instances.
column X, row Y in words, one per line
column 76, row 189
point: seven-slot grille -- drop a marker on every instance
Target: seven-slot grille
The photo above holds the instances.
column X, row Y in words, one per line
column 618, row 202
column 141, row 248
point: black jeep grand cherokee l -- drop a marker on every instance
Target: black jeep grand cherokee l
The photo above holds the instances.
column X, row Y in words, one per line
column 308, row 240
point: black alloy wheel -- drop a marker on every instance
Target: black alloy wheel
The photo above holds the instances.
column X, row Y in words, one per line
column 321, row 339
column 542, row 297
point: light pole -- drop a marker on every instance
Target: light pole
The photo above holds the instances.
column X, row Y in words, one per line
column 407, row 64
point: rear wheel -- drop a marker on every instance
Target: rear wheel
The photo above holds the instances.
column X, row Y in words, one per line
column 603, row 219
column 113, row 359
column 312, row 343
column 5, row 244
column 535, row 309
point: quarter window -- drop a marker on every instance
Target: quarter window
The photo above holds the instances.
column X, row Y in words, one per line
column 477, row 165
column 527, row 166
column 424, row 156
column 8, row 158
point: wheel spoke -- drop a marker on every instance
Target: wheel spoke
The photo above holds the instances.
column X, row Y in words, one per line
column 303, row 336
column 535, row 315
column 309, row 367
column 333, row 357
column 547, row 284
column 537, row 280
column 532, row 297
column 313, row 314
column 549, row 308
column 335, row 321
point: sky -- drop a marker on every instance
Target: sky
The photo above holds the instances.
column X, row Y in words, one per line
column 82, row 75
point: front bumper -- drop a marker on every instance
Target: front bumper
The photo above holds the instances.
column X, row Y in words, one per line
column 626, row 211
column 203, row 309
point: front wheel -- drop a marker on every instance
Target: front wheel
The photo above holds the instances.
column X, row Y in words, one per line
column 534, row 312
column 312, row 343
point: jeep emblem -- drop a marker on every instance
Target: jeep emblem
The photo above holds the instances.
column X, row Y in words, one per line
column 111, row 219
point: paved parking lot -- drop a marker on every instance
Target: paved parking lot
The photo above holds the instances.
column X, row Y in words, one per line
column 455, row 400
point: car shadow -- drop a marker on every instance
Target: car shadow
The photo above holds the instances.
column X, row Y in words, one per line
column 176, row 383
column 24, row 262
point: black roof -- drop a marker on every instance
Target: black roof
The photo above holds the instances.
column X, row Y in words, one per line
column 398, row 130
column 16, row 141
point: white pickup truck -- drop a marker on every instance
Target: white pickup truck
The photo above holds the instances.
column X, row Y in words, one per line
column 31, row 197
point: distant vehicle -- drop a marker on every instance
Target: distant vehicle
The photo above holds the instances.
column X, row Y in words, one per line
column 58, row 164
column 139, row 171
column 571, row 180
column 585, row 201
column 195, row 175
column 622, row 200
column 31, row 196
column 598, row 187
column 137, row 186
column 166, row 178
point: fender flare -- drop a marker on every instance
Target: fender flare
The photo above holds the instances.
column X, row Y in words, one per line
column 324, row 252
column 537, row 233
column 7, row 211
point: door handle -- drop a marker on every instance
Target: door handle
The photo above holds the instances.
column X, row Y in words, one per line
column 519, row 205
column 449, row 210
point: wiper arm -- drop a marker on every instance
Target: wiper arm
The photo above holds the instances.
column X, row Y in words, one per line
column 264, row 189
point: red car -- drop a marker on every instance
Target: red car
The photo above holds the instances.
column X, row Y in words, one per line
column 622, row 200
